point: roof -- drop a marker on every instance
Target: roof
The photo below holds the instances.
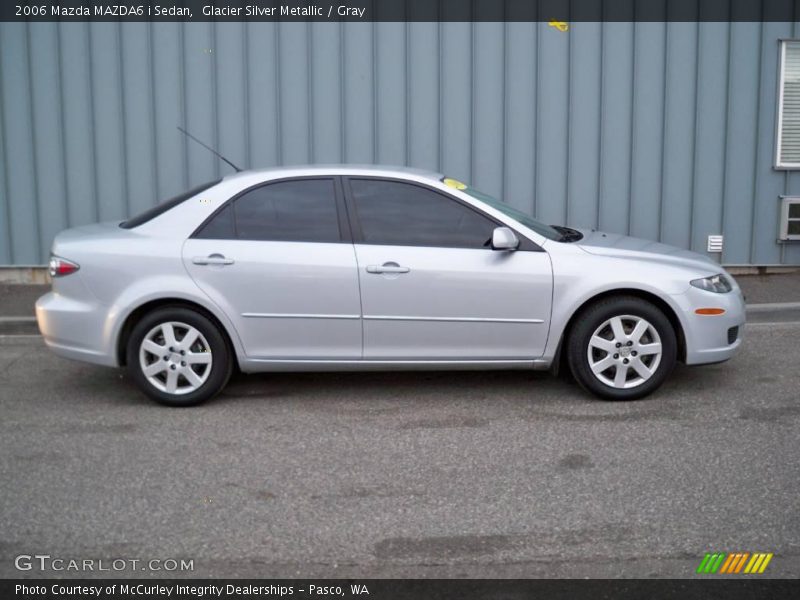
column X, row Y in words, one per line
column 339, row 169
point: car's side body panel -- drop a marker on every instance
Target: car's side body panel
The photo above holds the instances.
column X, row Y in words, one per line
column 287, row 300
column 83, row 317
column 82, row 329
column 580, row 276
column 454, row 303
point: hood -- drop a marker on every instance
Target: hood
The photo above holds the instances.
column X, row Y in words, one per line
column 623, row 246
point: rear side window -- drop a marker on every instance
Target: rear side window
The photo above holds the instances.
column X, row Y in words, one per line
column 300, row 210
column 220, row 227
column 403, row 214
column 159, row 209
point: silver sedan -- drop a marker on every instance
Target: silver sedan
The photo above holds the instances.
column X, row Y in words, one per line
column 355, row 268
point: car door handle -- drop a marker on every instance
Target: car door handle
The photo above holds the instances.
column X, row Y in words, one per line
column 387, row 268
column 212, row 259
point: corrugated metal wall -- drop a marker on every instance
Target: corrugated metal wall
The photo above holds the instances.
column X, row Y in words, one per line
column 661, row 130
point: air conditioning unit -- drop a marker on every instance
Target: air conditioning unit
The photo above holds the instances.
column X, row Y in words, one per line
column 790, row 218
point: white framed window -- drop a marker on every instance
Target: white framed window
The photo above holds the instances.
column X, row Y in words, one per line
column 787, row 154
column 790, row 218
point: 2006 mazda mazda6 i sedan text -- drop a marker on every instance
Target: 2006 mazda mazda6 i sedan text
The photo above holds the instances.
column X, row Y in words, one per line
column 334, row 268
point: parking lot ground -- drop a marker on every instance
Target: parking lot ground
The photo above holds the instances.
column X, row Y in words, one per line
column 776, row 287
column 483, row 474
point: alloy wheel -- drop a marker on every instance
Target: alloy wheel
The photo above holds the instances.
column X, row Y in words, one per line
column 175, row 358
column 624, row 351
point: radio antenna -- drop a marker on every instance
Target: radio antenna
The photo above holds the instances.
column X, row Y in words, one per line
column 209, row 148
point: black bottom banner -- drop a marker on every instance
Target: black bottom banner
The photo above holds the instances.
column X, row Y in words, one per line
column 391, row 589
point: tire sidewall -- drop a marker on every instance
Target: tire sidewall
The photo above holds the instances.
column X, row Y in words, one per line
column 221, row 366
column 592, row 318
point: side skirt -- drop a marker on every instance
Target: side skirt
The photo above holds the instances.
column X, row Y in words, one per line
column 252, row 365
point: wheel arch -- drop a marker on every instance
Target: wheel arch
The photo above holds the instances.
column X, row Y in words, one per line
column 140, row 311
column 660, row 303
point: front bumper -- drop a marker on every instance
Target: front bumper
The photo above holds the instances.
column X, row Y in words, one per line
column 74, row 329
column 707, row 336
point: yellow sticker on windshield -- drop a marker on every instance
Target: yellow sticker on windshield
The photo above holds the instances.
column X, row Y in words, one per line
column 454, row 183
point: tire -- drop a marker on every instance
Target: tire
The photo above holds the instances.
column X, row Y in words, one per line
column 196, row 369
column 634, row 368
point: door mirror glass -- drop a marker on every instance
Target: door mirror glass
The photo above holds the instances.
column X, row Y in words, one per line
column 504, row 238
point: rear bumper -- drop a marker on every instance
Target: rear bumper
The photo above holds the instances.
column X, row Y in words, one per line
column 74, row 329
column 707, row 336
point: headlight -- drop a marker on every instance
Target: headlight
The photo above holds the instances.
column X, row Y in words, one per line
column 716, row 283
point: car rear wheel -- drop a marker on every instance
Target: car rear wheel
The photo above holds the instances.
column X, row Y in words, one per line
column 178, row 357
column 622, row 348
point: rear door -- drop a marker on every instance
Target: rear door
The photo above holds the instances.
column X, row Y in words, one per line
column 279, row 260
column 431, row 286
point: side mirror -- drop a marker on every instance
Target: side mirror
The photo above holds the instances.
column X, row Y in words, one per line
column 504, row 238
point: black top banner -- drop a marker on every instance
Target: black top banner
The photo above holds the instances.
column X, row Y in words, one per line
column 559, row 11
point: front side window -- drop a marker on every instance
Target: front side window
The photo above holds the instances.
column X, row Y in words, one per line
column 404, row 214
column 788, row 146
column 300, row 210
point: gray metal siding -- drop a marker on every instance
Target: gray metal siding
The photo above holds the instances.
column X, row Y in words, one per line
column 660, row 130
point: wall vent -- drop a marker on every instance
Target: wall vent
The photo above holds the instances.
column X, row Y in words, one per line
column 715, row 244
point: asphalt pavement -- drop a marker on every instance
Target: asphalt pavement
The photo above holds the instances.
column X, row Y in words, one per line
column 486, row 474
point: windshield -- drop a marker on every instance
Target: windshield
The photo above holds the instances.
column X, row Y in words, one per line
column 544, row 230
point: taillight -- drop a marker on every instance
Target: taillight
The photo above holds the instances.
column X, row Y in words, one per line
column 61, row 266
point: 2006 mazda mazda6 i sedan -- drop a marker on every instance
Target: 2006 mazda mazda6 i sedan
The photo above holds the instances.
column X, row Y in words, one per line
column 335, row 268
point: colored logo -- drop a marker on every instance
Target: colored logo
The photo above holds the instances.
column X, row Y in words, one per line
column 454, row 183
column 560, row 25
column 734, row 563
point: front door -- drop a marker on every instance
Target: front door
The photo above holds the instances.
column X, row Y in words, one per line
column 277, row 261
column 431, row 286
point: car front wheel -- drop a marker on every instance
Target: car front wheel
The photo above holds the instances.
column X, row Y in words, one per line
column 622, row 348
column 178, row 357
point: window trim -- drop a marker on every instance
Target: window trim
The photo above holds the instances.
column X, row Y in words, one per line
column 345, row 233
column 777, row 164
column 784, row 235
column 525, row 243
